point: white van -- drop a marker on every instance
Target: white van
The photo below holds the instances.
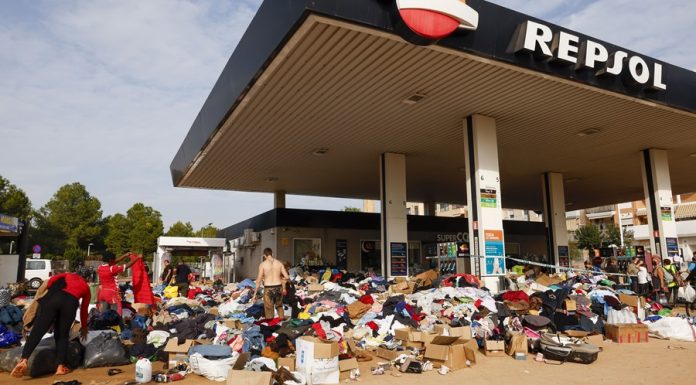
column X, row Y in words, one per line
column 37, row 271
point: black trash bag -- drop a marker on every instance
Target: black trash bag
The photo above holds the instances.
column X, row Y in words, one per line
column 105, row 350
column 9, row 358
column 43, row 360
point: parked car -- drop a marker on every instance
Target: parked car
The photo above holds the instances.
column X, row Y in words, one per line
column 37, row 271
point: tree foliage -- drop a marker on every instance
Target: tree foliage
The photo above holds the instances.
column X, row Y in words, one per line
column 588, row 236
column 208, row 231
column 71, row 219
column 351, row 209
column 13, row 201
column 145, row 227
column 180, row 229
column 117, row 239
column 611, row 235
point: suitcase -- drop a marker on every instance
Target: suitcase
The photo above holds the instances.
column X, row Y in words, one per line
column 566, row 349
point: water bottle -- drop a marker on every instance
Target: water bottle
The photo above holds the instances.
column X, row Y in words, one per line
column 143, row 371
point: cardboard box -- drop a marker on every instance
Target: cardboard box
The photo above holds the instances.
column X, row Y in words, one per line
column 408, row 334
column 626, row 333
column 450, row 351
column 463, row 332
column 318, row 360
column 494, row 348
column 247, row 377
column 516, row 344
column 403, row 288
column 387, row 354
column 141, row 309
column 345, row 367
column 234, row 324
column 595, row 339
column 176, row 352
column 633, row 301
column 288, row 362
column 315, row 288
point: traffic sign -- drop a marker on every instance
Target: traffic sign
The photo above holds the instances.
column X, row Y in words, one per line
column 36, row 249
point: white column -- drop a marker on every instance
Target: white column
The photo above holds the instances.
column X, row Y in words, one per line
column 279, row 200
column 486, row 236
column 658, row 199
column 393, row 216
column 555, row 219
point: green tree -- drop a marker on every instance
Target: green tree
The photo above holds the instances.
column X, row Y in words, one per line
column 145, row 227
column 611, row 235
column 351, row 209
column 588, row 236
column 118, row 234
column 180, row 229
column 70, row 220
column 13, row 201
column 629, row 237
column 208, row 231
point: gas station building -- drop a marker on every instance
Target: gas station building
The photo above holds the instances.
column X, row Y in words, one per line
column 421, row 101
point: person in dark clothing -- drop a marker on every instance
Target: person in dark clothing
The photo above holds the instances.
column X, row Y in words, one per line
column 57, row 307
column 612, row 269
column 183, row 277
column 167, row 273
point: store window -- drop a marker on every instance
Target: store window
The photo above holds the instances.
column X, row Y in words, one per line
column 307, row 251
column 414, row 252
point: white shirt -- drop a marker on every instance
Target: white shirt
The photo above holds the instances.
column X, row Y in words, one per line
column 642, row 275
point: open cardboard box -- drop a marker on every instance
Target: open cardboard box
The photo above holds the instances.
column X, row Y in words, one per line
column 288, row 362
column 318, row 360
column 238, row 376
column 463, row 332
column 494, row 348
column 452, row 352
column 626, row 333
column 176, row 352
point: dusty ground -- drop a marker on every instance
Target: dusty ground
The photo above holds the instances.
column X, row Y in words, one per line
column 656, row 362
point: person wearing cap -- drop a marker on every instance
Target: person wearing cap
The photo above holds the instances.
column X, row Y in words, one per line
column 57, row 308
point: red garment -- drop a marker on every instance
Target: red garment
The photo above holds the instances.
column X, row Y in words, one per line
column 193, row 292
column 142, row 291
column 109, row 293
column 78, row 288
column 367, row 299
column 372, row 325
column 319, row 330
column 515, row 296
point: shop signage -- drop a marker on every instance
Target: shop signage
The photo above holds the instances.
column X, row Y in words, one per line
column 666, row 213
column 458, row 237
column 437, row 19
column 399, row 259
column 8, row 224
column 566, row 48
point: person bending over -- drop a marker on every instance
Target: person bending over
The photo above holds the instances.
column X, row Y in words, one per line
column 57, row 307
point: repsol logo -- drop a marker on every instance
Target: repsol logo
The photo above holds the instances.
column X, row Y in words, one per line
column 567, row 48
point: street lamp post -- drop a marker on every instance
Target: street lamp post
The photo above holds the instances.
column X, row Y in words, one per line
column 11, row 244
column 89, row 248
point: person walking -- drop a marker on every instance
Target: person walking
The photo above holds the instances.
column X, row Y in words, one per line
column 57, row 308
column 271, row 276
column 108, row 275
column 182, row 278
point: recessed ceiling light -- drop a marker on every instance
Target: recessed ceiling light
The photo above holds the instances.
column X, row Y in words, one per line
column 572, row 180
column 320, row 151
column 271, row 179
column 569, row 203
column 413, row 99
column 588, row 132
column 693, row 155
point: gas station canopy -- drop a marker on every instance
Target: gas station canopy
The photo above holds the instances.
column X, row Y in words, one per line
column 316, row 90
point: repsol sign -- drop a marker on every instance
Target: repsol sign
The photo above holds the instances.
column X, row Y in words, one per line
column 566, row 48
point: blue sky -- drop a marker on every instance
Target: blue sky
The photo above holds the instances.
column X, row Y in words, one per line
column 103, row 92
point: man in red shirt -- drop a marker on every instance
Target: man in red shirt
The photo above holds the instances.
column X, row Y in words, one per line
column 108, row 275
column 57, row 308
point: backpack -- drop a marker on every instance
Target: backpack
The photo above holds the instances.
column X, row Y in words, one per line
column 669, row 278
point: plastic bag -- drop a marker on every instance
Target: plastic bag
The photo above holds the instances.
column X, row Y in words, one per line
column 624, row 316
column 8, row 337
column 214, row 370
column 10, row 358
column 171, row 292
column 43, row 360
column 105, row 350
column 687, row 293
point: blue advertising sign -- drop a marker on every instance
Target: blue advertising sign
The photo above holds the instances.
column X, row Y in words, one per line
column 9, row 224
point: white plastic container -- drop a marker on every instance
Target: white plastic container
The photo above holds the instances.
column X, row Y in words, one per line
column 143, row 371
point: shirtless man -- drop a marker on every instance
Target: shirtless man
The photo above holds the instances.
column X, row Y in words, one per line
column 271, row 274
